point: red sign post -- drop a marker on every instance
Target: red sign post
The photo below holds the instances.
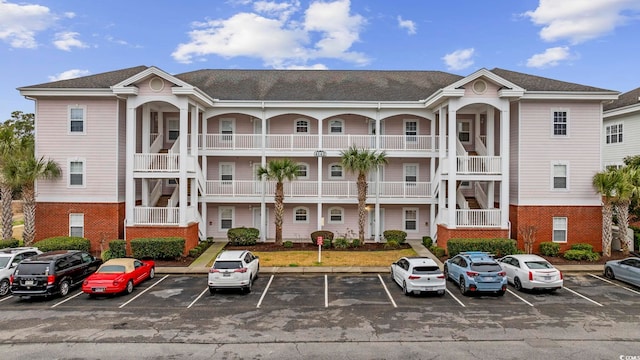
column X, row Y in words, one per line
column 320, row 242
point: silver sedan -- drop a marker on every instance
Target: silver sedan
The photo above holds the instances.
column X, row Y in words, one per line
column 526, row 271
column 627, row 270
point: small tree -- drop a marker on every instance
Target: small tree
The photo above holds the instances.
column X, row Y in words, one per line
column 279, row 170
column 528, row 234
column 604, row 183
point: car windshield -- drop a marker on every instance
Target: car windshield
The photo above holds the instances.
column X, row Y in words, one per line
column 33, row 269
column 4, row 261
column 425, row 269
column 111, row 269
column 221, row 265
column 535, row 265
column 485, row 267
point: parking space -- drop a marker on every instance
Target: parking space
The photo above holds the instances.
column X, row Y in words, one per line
column 325, row 291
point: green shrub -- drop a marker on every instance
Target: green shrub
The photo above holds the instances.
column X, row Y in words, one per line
column 497, row 247
column 64, row 243
column 118, row 248
column 106, row 255
column 427, row 241
column 355, row 243
column 549, row 248
column 243, row 236
column 437, row 251
column 582, row 246
column 10, row 243
column 288, row 244
column 581, row 255
column 398, row 236
column 341, row 243
column 391, row 244
column 157, row 248
column 327, row 237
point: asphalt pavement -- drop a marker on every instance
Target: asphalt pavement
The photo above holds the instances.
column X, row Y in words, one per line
column 201, row 265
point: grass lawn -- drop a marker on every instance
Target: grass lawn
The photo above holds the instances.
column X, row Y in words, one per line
column 332, row 258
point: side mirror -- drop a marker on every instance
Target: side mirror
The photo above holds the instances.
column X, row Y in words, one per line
column 14, row 264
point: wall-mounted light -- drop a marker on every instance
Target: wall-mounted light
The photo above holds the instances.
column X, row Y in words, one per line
column 250, row 163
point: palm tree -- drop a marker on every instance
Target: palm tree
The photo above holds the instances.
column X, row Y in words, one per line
column 279, row 170
column 22, row 171
column 362, row 162
column 624, row 192
column 7, row 145
column 604, row 183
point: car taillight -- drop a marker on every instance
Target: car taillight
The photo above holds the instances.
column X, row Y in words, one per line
column 241, row 270
column 530, row 276
column 213, row 270
column 413, row 277
column 472, row 273
column 441, row 276
column 561, row 277
column 118, row 280
column 51, row 279
column 11, row 279
column 502, row 273
column 85, row 282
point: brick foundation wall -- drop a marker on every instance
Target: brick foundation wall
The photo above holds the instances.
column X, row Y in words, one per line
column 445, row 234
column 189, row 233
column 584, row 224
column 103, row 222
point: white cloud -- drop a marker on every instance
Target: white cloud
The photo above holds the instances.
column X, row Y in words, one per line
column 308, row 67
column 459, row 59
column 276, row 38
column 581, row 20
column 69, row 74
column 407, row 24
column 551, row 57
column 66, row 40
column 19, row 24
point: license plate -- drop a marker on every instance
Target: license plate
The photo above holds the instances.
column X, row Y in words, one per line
column 226, row 274
column 29, row 282
column 547, row 277
column 487, row 278
column 98, row 290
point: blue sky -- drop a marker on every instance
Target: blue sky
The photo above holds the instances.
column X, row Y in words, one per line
column 591, row 42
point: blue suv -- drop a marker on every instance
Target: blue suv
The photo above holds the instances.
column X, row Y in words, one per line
column 476, row 271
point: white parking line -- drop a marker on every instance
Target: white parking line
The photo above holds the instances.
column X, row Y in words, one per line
column 612, row 283
column 516, row 295
column 387, row 290
column 67, row 299
column 455, row 298
column 265, row 292
column 142, row 292
column 198, row 298
column 326, row 291
column 582, row 296
column 7, row 298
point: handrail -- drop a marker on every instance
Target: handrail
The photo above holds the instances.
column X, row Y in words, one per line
column 480, row 195
column 481, row 149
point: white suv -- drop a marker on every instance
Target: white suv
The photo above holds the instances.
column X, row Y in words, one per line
column 234, row 269
column 9, row 259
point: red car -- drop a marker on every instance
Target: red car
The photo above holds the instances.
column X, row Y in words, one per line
column 118, row 275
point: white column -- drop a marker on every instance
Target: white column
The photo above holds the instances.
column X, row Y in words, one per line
column 491, row 136
column 130, row 185
column 504, row 163
column 263, row 163
column 376, row 207
column 182, row 156
column 146, row 143
column 453, row 168
column 319, row 218
column 194, row 155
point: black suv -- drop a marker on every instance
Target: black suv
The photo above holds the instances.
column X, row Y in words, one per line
column 53, row 272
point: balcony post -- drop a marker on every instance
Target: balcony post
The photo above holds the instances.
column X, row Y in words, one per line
column 130, row 185
column 453, row 166
column 504, row 165
column 182, row 164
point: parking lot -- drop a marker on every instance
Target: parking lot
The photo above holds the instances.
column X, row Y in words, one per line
column 331, row 291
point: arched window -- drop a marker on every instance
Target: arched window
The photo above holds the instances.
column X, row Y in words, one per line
column 336, row 215
column 336, row 126
column 302, row 126
column 335, row 171
column 301, row 215
column 303, row 171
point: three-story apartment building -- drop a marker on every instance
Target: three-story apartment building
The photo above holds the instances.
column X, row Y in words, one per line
column 147, row 153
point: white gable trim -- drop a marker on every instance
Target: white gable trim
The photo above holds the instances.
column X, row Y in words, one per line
column 489, row 75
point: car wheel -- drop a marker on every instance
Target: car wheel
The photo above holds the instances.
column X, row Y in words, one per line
column 463, row 286
column 247, row 289
column 152, row 273
column 404, row 288
column 391, row 274
column 212, row 291
column 129, row 288
column 446, row 272
column 500, row 293
column 441, row 293
column 4, row 287
column 257, row 272
column 517, row 284
column 64, row 288
column 608, row 272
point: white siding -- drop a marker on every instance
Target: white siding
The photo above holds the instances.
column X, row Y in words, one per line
column 615, row 153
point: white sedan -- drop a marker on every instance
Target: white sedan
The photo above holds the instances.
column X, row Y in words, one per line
column 418, row 274
column 526, row 271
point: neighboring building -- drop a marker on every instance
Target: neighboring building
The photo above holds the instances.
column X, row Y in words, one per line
column 146, row 153
column 621, row 129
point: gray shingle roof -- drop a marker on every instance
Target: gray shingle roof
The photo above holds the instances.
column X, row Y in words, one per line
column 538, row 83
column 629, row 98
column 316, row 85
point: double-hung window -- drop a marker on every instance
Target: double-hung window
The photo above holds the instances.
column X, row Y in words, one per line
column 410, row 219
column 411, row 130
column 226, row 217
column 77, row 116
column 336, row 215
column 226, row 129
column 560, row 123
column 336, row 126
column 335, row 171
column 226, row 173
column 173, row 129
column 301, row 215
column 76, row 225
column 560, row 229
column 302, row 127
column 76, row 173
column 560, row 176
column 613, row 134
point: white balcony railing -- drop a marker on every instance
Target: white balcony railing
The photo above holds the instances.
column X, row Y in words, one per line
column 479, row 165
column 478, row 217
column 156, row 162
column 156, row 215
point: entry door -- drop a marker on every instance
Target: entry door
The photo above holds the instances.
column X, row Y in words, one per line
column 372, row 220
column 257, row 220
column 257, row 131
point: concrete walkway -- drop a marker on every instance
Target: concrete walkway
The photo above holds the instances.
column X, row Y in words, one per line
column 201, row 264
